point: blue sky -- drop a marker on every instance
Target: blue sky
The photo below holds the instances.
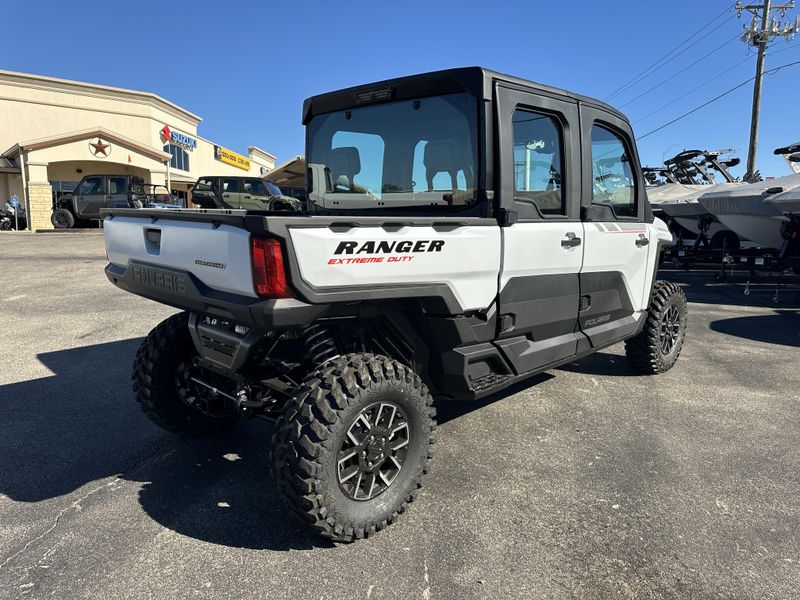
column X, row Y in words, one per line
column 246, row 67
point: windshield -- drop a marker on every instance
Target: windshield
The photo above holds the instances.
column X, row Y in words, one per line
column 273, row 189
column 406, row 153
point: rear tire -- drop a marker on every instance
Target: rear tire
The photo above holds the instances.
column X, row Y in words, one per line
column 336, row 447
column 657, row 347
column 155, row 369
column 62, row 218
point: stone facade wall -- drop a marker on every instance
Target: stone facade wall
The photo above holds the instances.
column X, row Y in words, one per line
column 41, row 206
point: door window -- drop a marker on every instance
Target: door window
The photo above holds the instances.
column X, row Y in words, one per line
column 205, row 184
column 230, row 186
column 91, row 186
column 613, row 182
column 538, row 162
column 117, row 185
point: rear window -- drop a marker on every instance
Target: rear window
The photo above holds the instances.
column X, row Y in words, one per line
column 420, row 153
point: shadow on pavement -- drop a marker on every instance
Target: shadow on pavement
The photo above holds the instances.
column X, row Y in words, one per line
column 602, row 363
column 449, row 410
column 220, row 490
column 78, row 425
column 781, row 328
column 81, row 424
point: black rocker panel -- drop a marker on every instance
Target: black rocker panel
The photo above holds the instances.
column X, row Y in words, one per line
column 539, row 316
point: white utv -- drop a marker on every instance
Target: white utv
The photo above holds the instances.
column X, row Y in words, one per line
column 465, row 230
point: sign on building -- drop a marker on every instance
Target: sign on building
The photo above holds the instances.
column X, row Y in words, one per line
column 176, row 137
column 231, row 158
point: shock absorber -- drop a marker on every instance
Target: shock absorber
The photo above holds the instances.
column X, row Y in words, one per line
column 320, row 344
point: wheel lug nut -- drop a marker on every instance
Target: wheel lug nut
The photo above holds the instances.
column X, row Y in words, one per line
column 363, row 454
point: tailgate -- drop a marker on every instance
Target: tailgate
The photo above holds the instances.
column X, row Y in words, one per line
column 218, row 255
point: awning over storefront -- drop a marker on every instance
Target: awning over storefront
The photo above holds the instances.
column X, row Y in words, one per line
column 174, row 178
column 85, row 134
column 291, row 173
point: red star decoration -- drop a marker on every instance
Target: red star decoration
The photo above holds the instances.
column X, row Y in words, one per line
column 100, row 147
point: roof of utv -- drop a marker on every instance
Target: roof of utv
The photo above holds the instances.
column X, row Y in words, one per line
column 474, row 80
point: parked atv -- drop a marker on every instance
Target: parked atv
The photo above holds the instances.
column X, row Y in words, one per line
column 499, row 228
column 248, row 193
column 95, row 193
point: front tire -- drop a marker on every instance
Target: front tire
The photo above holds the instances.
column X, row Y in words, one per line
column 157, row 386
column 657, row 347
column 62, row 218
column 353, row 445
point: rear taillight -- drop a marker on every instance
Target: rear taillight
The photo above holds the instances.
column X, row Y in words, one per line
column 269, row 272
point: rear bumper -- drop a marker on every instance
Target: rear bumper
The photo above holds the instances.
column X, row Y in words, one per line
column 183, row 290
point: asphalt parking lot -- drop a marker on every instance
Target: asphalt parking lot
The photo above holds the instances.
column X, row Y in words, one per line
column 592, row 483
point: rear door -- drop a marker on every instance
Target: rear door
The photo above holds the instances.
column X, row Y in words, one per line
column 616, row 274
column 232, row 192
column 539, row 158
column 90, row 197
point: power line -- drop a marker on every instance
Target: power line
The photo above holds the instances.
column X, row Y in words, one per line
column 758, row 34
column 722, row 95
column 702, row 85
column 681, row 72
column 660, row 62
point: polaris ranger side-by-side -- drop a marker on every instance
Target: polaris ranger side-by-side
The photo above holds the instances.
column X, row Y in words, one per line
column 95, row 193
column 465, row 230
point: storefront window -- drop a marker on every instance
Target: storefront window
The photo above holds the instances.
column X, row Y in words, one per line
column 180, row 157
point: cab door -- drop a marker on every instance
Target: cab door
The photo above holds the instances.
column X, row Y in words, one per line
column 542, row 240
column 231, row 192
column 90, row 197
column 117, row 196
column 255, row 195
column 615, row 276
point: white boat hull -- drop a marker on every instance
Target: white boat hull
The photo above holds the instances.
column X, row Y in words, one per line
column 763, row 230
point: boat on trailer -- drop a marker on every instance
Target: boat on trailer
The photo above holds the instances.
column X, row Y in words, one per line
column 693, row 174
column 749, row 212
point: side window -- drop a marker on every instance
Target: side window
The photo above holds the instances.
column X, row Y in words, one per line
column 90, row 186
column 117, row 185
column 538, row 161
column 255, row 187
column 613, row 182
column 230, row 186
column 205, row 184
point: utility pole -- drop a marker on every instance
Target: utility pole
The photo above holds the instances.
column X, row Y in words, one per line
column 758, row 33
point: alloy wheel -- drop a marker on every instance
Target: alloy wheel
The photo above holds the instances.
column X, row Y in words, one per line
column 373, row 452
column 670, row 327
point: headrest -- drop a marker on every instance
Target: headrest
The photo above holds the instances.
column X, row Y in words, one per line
column 344, row 161
column 442, row 155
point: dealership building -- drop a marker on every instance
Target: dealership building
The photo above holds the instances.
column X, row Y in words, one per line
column 54, row 131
